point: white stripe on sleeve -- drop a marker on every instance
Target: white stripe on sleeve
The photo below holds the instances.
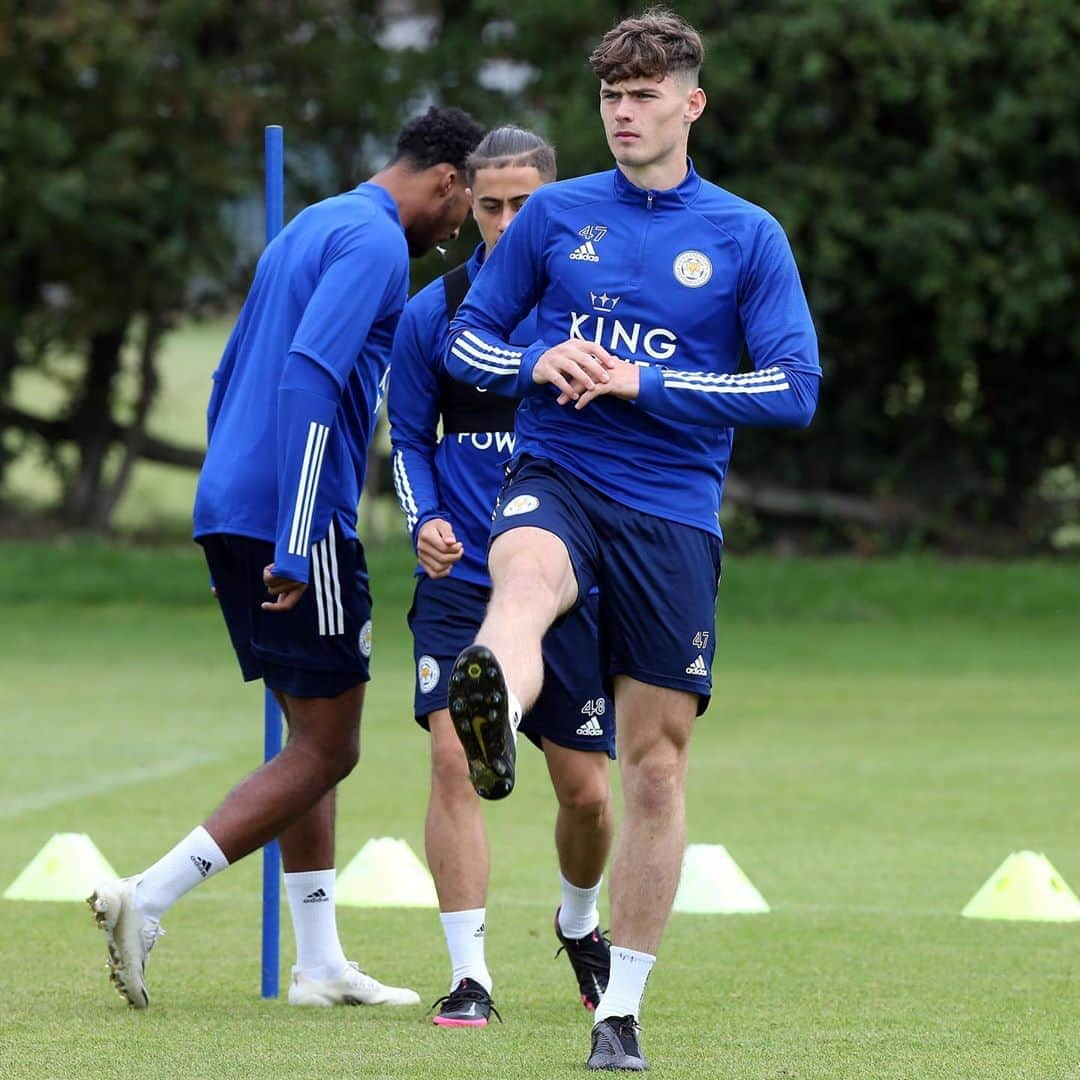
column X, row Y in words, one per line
column 301, row 488
column 766, row 381
column 308, row 512
column 486, row 346
column 404, row 491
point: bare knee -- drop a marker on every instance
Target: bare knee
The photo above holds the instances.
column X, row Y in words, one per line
column 580, row 780
column 347, row 757
column 449, row 767
column 653, row 786
column 450, row 771
column 586, row 799
column 327, row 760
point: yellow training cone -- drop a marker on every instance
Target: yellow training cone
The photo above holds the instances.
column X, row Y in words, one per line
column 385, row 873
column 1025, row 886
column 713, row 883
column 66, row 868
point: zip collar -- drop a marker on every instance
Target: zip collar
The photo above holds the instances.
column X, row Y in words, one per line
column 675, row 197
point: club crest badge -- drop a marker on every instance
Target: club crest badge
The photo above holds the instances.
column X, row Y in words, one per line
column 692, row 269
column 364, row 642
column 427, row 672
column 521, row 504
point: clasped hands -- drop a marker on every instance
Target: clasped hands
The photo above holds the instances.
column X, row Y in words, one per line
column 582, row 371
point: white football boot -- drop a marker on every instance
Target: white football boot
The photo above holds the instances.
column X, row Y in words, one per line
column 129, row 934
column 351, row 987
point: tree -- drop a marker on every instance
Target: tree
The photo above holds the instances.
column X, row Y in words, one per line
column 923, row 158
column 921, row 154
column 126, row 129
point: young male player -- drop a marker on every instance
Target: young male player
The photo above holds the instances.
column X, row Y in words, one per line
column 447, row 488
column 648, row 281
column 289, row 421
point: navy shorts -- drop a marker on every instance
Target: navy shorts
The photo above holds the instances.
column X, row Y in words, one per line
column 321, row 647
column 657, row 578
column 573, row 710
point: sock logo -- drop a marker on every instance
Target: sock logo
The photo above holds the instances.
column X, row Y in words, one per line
column 479, row 932
column 317, row 897
column 204, row 866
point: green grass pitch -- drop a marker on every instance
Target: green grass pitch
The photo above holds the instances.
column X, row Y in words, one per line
column 882, row 736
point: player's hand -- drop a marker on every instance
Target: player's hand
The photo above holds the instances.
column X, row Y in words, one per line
column 573, row 368
column 286, row 593
column 624, row 381
column 437, row 548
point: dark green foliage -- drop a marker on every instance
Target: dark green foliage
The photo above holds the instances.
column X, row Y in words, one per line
column 923, row 157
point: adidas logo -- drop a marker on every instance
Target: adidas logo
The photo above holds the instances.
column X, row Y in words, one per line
column 317, row 897
column 480, row 932
column 202, row 865
column 591, row 727
column 585, row 253
column 698, row 667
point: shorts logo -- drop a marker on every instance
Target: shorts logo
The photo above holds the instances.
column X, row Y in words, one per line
column 427, row 672
column 521, row 504
column 593, row 708
column 692, row 269
column 364, row 641
column 698, row 668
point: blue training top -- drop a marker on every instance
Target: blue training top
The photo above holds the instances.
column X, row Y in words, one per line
column 457, row 477
column 297, row 391
column 677, row 281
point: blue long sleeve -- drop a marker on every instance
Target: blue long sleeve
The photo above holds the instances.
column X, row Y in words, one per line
column 782, row 390
column 307, row 409
column 325, row 349
column 413, row 411
column 326, row 297
column 478, row 350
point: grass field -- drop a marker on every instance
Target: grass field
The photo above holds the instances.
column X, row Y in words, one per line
column 882, row 736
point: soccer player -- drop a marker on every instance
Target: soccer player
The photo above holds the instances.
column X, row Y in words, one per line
column 648, row 282
column 447, row 489
column 290, row 417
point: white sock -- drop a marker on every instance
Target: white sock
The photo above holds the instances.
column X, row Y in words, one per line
column 194, row 860
column 464, row 932
column 626, row 985
column 514, row 710
column 319, row 954
column 578, row 914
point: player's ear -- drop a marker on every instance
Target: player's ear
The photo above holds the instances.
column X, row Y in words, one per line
column 695, row 105
column 447, row 180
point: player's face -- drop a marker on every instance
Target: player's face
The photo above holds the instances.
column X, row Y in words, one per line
column 445, row 212
column 647, row 121
column 497, row 196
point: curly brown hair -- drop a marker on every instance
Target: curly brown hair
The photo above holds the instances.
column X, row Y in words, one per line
column 651, row 45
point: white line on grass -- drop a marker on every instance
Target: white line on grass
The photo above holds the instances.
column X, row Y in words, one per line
column 102, row 784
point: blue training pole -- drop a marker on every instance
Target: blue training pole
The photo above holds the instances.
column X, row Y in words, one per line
column 274, row 177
